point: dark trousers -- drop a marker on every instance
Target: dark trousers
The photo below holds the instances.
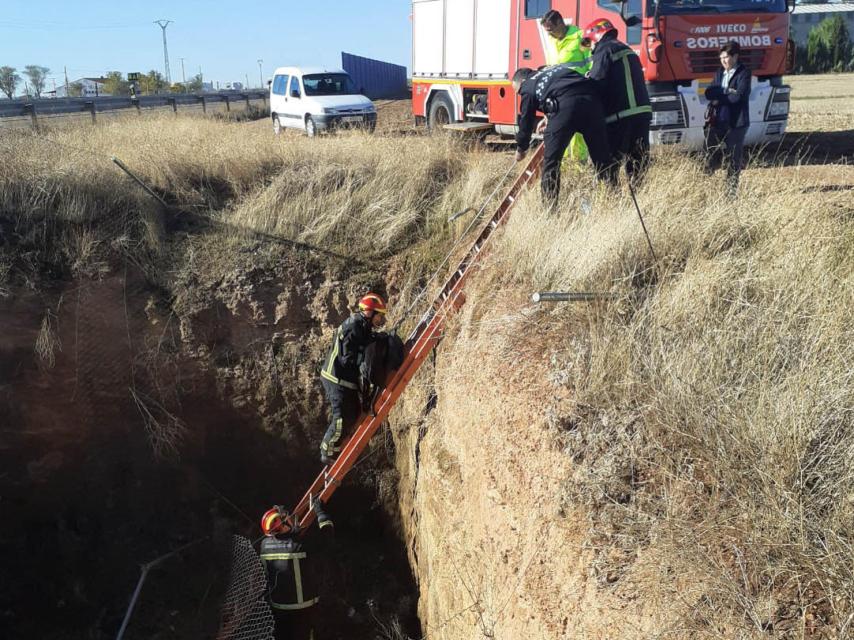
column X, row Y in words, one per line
column 345, row 409
column 725, row 146
column 575, row 114
column 628, row 140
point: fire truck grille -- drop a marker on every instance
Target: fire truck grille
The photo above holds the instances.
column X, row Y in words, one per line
column 709, row 61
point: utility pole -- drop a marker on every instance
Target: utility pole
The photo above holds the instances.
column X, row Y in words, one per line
column 260, row 73
column 202, row 78
column 65, row 71
column 247, row 82
column 183, row 77
column 163, row 24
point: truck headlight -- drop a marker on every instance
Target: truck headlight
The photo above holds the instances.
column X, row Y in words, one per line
column 665, row 118
column 370, row 108
column 328, row 111
column 778, row 109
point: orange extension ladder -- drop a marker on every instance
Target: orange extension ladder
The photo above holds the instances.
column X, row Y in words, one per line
column 420, row 343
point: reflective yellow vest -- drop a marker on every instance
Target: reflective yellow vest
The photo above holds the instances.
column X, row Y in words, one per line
column 569, row 51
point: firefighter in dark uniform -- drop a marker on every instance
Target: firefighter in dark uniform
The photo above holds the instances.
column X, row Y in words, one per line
column 618, row 73
column 340, row 373
column 290, row 588
column 572, row 105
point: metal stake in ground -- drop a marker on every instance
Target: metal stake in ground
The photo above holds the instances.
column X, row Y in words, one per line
column 645, row 232
column 121, row 165
column 570, row 296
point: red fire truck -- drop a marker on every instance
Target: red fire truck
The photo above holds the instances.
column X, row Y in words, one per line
column 464, row 53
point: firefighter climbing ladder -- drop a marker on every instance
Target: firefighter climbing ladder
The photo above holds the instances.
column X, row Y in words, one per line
column 420, row 343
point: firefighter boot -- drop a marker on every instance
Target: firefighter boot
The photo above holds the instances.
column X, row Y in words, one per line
column 323, row 519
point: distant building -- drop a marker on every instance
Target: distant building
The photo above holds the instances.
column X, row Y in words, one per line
column 234, row 86
column 91, row 87
column 807, row 16
column 207, row 87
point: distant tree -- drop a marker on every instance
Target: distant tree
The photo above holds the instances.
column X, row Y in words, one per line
column 9, row 81
column 116, row 85
column 152, row 82
column 38, row 76
column 176, row 87
column 829, row 46
column 75, row 90
column 194, row 84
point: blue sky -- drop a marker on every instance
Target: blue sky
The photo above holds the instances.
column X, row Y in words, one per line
column 225, row 38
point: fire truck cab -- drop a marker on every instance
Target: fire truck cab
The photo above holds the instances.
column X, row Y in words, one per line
column 464, row 53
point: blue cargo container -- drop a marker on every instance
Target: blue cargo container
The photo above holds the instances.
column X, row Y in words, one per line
column 374, row 78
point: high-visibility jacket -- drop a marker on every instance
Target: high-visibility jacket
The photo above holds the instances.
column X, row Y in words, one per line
column 618, row 73
column 568, row 50
column 282, row 559
column 348, row 347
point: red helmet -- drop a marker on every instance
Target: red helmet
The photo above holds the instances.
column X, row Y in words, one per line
column 372, row 302
column 597, row 29
column 276, row 521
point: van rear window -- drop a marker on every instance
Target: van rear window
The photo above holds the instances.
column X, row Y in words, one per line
column 280, row 85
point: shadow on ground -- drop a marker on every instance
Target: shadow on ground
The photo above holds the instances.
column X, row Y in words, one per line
column 818, row 147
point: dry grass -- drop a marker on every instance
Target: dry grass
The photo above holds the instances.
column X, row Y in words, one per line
column 351, row 191
column 822, row 102
column 712, row 403
column 47, row 341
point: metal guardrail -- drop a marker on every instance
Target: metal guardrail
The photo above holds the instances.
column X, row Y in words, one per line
column 50, row 107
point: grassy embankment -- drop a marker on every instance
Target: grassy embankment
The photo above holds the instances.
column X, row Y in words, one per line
column 687, row 444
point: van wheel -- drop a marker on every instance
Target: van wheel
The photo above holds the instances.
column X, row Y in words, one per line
column 277, row 126
column 310, row 127
column 441, row 112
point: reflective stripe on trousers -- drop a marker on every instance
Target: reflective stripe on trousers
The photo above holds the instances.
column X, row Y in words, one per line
column 301, row 602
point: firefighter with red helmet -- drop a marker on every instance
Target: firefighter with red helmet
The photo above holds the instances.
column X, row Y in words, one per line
column 340, row 373
column 618, row 73
column 290, row 588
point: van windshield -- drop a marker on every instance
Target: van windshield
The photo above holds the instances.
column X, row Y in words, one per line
column 328, row 84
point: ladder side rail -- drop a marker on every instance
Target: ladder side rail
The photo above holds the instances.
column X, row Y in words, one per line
column 419, row 345
column 327, row 482
column 529, row 174
column 390, row 394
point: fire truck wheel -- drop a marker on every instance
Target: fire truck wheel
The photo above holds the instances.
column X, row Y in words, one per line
column 441, row 112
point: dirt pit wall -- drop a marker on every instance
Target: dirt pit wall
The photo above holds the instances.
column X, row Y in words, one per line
column 137, row 418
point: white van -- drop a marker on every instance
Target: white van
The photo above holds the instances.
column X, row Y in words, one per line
column 315, row 100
